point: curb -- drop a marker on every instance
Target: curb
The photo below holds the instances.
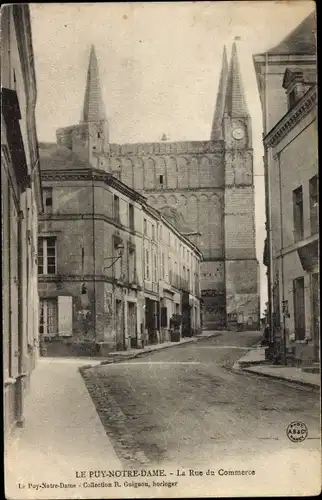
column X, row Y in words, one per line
column 276, row 377
column 144, row 353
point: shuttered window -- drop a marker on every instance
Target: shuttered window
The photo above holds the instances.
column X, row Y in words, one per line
column 48, row 320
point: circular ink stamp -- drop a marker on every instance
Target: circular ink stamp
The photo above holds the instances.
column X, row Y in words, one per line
column 297, row 431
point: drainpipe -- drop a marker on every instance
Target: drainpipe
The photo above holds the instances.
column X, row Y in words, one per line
column 21, row 351
column 268, row 213
column 282, row 256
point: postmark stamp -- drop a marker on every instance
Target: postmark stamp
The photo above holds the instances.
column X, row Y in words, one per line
column 297, row 431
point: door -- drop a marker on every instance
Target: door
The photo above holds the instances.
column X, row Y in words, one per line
column 315, row 297
column 132, row 323
column 119, row 325
column 299, row 308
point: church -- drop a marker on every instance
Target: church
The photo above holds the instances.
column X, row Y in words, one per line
column 205, row 187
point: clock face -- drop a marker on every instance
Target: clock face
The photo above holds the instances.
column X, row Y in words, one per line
column 238, row 133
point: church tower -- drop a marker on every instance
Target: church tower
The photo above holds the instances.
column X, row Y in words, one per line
column 90, row 138
column 241, row 266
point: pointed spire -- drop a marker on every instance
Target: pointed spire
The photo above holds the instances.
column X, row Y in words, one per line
column 216, row 131
column 235, row 96
column 93, row 109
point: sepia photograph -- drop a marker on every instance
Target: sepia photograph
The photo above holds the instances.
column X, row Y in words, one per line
column 160, row 250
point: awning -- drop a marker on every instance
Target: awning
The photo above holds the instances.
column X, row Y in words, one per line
column 309, row 255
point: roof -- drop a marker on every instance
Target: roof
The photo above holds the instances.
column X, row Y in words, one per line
column 300, row 41
column 54, row 157
column 175, row 217
column 235, row 104
column 93, row 108
column 216, row 131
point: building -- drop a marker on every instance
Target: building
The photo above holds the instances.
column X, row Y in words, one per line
column 21, row 202
column 287, row 82
column 207, row 185
column 112, row 270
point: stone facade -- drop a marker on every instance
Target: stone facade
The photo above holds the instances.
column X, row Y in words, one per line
column 120, row 270
column 290, row 129
column 209, row 184
column 21, row 202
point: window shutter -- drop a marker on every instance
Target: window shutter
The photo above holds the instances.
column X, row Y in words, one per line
column 65, row 316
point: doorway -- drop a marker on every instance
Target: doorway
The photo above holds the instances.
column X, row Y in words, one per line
column 131, row 324
column 120, row 340
column 299, row 308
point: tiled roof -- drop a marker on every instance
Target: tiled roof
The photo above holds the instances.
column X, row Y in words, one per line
column 300, row 41
column 54, row 157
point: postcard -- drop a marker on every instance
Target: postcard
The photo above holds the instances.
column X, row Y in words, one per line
column 160, row 263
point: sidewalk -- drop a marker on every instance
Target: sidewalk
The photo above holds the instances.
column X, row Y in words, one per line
column 116, row 356
column 62, row 434
column 254, row 362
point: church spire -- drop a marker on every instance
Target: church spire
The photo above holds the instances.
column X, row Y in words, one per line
column 235, row 104
column 216, row 131
column 93, row 109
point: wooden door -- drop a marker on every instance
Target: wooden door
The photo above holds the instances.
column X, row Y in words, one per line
column 299, row 308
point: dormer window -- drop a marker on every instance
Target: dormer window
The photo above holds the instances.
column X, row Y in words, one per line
column 295, row 85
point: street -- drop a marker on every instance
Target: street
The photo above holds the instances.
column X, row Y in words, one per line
column 185, row 406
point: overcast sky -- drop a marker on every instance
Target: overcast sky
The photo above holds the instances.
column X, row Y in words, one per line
column 159, row 67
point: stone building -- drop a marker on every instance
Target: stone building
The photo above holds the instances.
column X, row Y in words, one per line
column 208, row 185
column 21, row 202
column 287, row 82
column 112, row 270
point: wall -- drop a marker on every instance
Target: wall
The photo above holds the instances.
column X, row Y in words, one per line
column 20, row 206
column 294, row 161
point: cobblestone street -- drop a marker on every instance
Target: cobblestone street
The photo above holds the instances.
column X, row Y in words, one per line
column 185, row 406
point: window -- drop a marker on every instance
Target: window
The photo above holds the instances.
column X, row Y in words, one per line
column 162, row 265
column 170, row 270
column 131, row 262
column 131, row 216
column 47, row 255
column 98, row 135
column 153, row 232
column 298, row 213
column 48, row 321
column 161, row 180
column 48, row 200
column 314, row 204
column 116, row 208
column 147, row 264
column 160, row 233
column 144, row 226
column 154, row 268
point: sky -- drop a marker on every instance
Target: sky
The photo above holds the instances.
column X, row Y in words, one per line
column 159, row 68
